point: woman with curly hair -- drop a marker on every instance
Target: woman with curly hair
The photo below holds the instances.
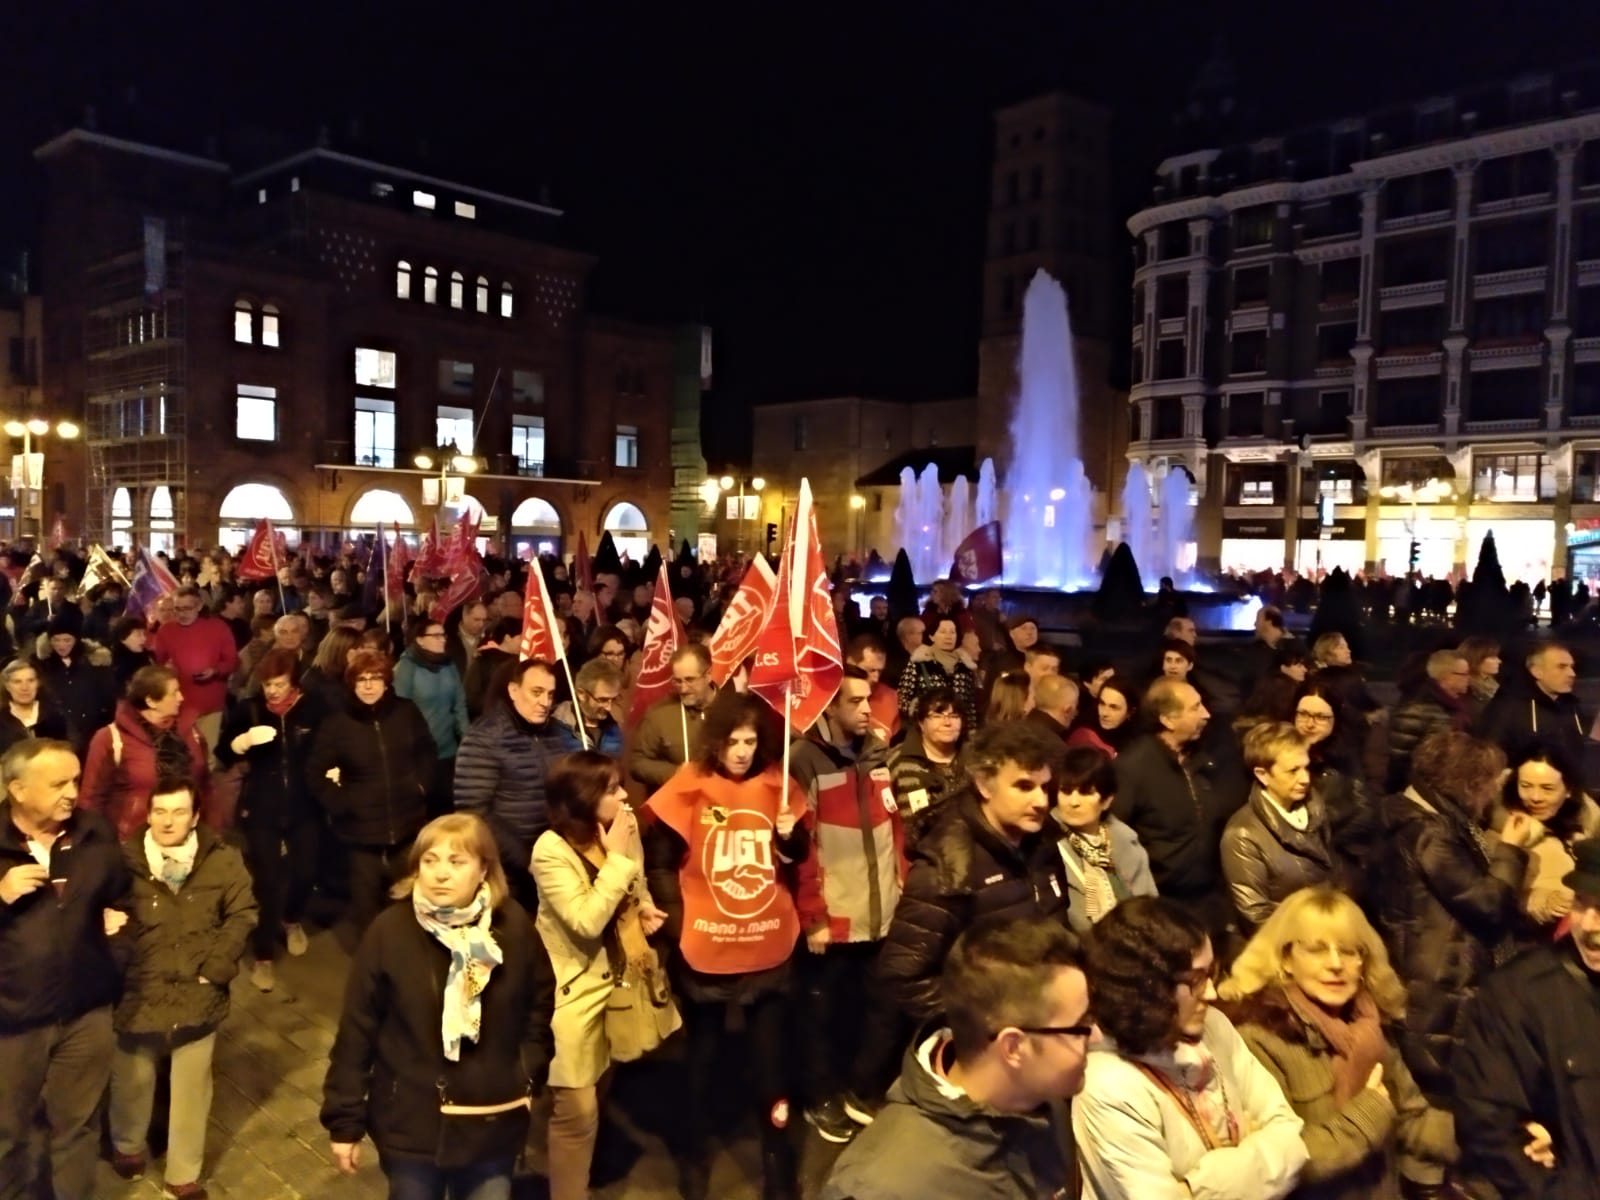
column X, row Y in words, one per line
column 1310, row 995
column 1173, row 1102
column 1445, row 898
column 728, row 860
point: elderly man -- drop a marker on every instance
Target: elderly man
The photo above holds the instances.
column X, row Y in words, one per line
column 1055, row 705
column 978, row 1104
column 669, row 734
column 1438, row 705
column 195, row 905
column 1525, row 1102
column 598, row 683
column 63, row 902
column 200, row 648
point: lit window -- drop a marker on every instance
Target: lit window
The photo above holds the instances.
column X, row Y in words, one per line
column 469, row 211
column 424, row 200
column 375, row 368
column 506, row 306
column 381, row 190
column 430, row 286
column 374, row 432
column 458, row 289
column 269, row 325
column 527, row 444
column 261, row 195
column 163, row 527
column 256, row 413
column 454, row 428
column 402, row 280
column 483, row 294
column 455, row 377
column 294, row 183
column 1256, row 491
column 121, row 517
column 244, row 324
column 527, row 388
column 627, row 446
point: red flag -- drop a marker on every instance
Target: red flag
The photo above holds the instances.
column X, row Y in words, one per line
column 978, row 559
column 742, row 623
column 662, row 637
column 798, row 653
column 583, row 565
column 394, row 568
column 465, row 569
column 58, row 532
column 260, row 557
column 429, row 563
column 540, row 635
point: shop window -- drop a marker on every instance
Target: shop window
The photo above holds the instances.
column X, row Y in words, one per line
column 1507, row 478
column 1256, row 491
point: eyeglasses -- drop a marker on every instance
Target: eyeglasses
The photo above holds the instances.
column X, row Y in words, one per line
column 1328, row 950
column 360, row 679
column 1197, row 979
column 433, row 633
column 690, row 681
column 1083, row 1030
column 1320, row 718
column 600, row 701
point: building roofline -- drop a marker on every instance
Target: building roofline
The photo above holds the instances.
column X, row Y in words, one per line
column 351, row 160
column 86, row 136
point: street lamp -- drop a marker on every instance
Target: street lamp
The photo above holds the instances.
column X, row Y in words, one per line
column 453, row 467
column 27, row 468
column 755, row 484
column 1432, row 491
column 858, row 506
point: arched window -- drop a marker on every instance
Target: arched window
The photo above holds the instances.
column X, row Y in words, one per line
column 245, row 505
column 629, row 530
column 244, row 323
column 121, row 517
column 163, row 526
column 402, row 280
column 483, row 294
column 458, row 290
column 269, row 325
column 506, row 304
column 379, row 506
column 536, row 516
column 430, row 286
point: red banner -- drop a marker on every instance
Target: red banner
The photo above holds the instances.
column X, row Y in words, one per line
column 662, row 637
column 798, row 655
column 979, row 558
column 743, row 621
column 395, row 569
column 260, row 559
column 583, row 565
column 429, row 563
column 540, row 636
column 463, row 566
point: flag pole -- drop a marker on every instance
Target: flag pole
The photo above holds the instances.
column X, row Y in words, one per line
column 577, row 709
column 383, row 576
column 683, row 719
column 783, row 795
column 272, row 542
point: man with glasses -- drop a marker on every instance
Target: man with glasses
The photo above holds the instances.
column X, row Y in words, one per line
column 201, row 649
column 979, row 1103
column 1438, row 705
column 1174, row 1103
column 669, row 734
column 598, row 684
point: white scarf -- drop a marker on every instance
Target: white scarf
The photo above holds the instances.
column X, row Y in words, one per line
column 171, row 865
column 474, row 954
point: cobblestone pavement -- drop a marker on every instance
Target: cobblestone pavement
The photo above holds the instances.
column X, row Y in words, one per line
column 265, row 1142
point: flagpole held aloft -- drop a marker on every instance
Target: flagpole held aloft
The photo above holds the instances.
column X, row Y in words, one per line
column 283, row 605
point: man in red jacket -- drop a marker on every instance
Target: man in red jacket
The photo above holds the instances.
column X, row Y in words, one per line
column 201, row 649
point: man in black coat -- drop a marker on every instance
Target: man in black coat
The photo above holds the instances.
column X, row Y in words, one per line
column 1527, row 1073
column 63, row 903
column 1177, row 799
column 990, row 850
column 1540, row 707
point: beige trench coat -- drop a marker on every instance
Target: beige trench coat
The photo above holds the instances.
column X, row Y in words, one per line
column 573, row 912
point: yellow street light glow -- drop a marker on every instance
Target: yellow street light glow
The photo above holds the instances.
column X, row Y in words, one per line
column 858, row 501
column 67, row 429
column 38, row 427
column 726, row 482
column 465, row 464
column 757, row 484
column 425, row 461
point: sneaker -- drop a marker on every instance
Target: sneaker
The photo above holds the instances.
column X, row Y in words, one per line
column 184, row 1191
column 860, row 1110
column 295, row 936
column 830, row 1122
column 127, row 1166
column 261, row 976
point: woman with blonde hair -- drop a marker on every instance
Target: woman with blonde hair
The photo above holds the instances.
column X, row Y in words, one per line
column 445, row 1035
column 1009, row 698
column 1310, row 995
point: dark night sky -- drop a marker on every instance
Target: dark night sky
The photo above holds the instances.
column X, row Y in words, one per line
column 810, row 179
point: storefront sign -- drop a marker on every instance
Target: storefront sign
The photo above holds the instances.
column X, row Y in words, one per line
column 1244, row 527
column 1348, row 529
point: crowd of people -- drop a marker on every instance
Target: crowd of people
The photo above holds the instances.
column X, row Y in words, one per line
column 1018, row 920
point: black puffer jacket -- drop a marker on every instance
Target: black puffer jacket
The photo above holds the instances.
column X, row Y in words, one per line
column 960, row 871
column 1443, row 910
column 1426, row 712
column 387, row 1072
column 180, row 937
column 1265, row 859
column 277, row 788
column 386, row 759
column 56, row 962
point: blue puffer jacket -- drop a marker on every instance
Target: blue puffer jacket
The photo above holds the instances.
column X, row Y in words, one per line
column 609, row 740
column 436, row 689
column 500, row 773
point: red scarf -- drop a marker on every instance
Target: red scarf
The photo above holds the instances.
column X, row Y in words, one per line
column 1358, row 1044
column 278, row 707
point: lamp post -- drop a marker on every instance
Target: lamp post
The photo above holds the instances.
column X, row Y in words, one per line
column 27, row 468
column 755, row 484
column 1432, row 491
column 447, row 459
column 858, row 507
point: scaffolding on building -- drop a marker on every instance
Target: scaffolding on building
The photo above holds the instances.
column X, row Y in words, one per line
column 136, row 375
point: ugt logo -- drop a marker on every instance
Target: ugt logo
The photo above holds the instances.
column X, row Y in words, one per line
column 738, row 864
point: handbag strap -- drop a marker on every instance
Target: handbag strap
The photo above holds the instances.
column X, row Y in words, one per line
column 610, row 936
column 1185, row 1105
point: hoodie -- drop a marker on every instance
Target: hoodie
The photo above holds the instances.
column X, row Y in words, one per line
column 931, row 1139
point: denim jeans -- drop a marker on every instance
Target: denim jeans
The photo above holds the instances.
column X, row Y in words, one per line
column 424, row 1181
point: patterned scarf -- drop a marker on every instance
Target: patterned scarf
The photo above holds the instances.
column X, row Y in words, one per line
column 474, row 954
column 171, row 865
column 1099, row 871
column 1189, row 1075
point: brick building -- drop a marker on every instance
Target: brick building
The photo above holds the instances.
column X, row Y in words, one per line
column 285, row 339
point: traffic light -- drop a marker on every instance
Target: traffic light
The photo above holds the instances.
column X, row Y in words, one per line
column 1416, row 553
column 772, row 535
